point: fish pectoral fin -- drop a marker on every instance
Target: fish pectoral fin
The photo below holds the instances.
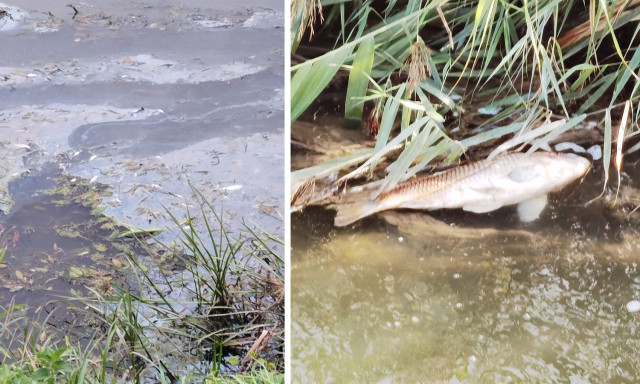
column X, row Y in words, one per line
column 482, row 206
column 530, row 210
column 523, row 174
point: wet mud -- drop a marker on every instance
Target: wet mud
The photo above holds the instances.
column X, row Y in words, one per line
column 136, row 103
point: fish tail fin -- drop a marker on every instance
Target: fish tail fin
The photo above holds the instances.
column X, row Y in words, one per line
column 352, row 212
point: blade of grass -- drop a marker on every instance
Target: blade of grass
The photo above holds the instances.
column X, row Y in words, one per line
column 311, row 79
column 620, row 142
column 359, row 79
column 606, row 157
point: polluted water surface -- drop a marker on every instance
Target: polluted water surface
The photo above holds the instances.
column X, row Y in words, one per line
column 70, row 246
column 456, row 297
column 113, row 113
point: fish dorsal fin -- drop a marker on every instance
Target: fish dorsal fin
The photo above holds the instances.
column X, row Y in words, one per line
column 482, row 206
column 523, row 174
column 530, row 210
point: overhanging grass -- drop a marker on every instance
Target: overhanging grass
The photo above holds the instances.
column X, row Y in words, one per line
column 543, row 66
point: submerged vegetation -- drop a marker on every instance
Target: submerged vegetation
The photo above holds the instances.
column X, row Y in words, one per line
column 208, row 310
column 437, row 80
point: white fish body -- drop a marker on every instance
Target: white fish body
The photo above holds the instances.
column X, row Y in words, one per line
column 480, row 187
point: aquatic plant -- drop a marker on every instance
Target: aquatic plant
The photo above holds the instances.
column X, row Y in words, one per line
column 9, row 238
column 259, row 374
column 201, row 311
column 226, row 300
column 443, row 78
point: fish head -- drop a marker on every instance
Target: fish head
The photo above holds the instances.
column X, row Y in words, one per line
column 560, row 169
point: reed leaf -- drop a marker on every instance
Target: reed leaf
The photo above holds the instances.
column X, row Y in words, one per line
column 408, row 156
column 620, row 141
column 359, row 79
column 311, row 79
column 606, row 148
column 389, row 115
column 626, row 75
column 312, row 76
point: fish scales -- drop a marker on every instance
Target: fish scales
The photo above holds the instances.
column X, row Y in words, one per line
column 429, row 187
column 426, row 185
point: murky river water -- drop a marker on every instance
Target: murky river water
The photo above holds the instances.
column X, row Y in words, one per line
column 408, row 300
column 118, row 108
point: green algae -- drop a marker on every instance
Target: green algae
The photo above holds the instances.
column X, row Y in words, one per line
column 81, row 191
column 69, row 230
column 100, row 247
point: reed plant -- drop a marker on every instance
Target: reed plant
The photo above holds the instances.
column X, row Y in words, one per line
column 446, row 78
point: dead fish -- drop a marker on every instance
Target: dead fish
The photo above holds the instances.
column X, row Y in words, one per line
column 479, row 187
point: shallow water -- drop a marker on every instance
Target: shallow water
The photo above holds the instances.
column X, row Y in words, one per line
column 542, row 302
column 62, row 244
column 144, row 100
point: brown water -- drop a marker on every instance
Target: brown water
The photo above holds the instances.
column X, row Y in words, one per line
column 543, row 302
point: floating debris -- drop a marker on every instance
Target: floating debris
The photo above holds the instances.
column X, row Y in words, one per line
column 633, row 306
column 595, row 151
column 11, row 18
column 563, row 147
column 143, row 67
column 489, row 110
